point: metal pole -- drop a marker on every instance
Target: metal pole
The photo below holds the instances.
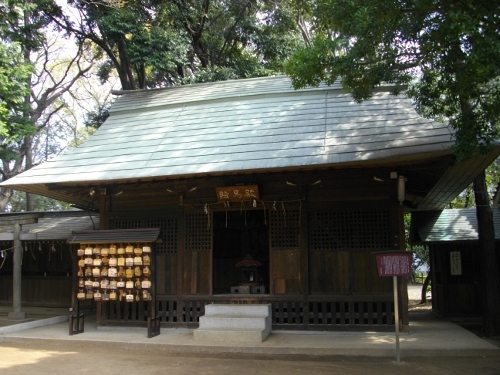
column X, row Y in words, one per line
column 396, row 315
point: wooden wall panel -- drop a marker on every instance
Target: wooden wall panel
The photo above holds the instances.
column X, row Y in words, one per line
column 286, row 271
column 204, row 266
column 197, row 271
column 366, row 278
column 329, row 272
column 464, row 299
column 38, row 291
column 345, row 272
column 166, row 274
column 187, row 275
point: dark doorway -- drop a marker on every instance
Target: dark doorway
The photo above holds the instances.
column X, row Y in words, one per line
column 240, row 236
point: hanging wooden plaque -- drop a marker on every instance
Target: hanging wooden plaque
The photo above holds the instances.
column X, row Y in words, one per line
column 237, row 193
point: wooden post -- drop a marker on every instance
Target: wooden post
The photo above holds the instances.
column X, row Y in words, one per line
column 16, row 276
column 396, row 263
column 402, row 283
column 403, row 303
column 17, row 220
column 396, row 316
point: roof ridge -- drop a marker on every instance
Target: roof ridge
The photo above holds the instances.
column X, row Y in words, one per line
column 199, row 84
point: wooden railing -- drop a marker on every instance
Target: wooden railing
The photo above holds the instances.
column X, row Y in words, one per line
column 324, row 313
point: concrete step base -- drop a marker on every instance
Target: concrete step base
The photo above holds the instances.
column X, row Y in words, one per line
column 229, row 335
column 230, row 321
column 234, row 323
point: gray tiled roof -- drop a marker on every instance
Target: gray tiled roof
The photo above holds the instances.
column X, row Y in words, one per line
column 252, row 124
column 53, row 226
column 449, row 225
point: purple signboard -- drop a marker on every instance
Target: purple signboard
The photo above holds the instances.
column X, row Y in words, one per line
column 394, row 263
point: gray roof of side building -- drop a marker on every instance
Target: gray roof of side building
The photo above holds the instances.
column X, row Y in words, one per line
column 51, row 226
column 450, row 225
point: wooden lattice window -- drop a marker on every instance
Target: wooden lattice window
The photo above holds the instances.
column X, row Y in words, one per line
column 363, row 229
column 198, row 233
column 126, row 224
column 168, row 234
column 284, row 228
column 167, row 226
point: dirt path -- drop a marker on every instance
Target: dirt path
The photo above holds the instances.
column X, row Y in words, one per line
column 54, row 360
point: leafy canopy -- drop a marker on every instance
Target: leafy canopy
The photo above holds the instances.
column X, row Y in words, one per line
column 16, row 38
column 447, row 51
column 14, row 75
column 159, row 43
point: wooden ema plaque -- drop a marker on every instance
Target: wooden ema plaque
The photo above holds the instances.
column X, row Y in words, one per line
column 394, row 263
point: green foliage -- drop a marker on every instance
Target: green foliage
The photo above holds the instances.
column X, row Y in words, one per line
column 15, row 73
column 159, row 43
column 81, row 136
column 447, row 51
column 492, row 179
column 421, row 253
column 18, row 203
column 96, row 118
column 14, row 76
column 33, row 82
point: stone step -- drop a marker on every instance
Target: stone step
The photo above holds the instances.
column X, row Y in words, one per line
column 246, row 310
column 230, row 335
column 236, row 323
column 233, row 321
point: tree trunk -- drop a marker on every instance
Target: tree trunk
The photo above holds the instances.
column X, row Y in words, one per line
column 423, row 295
column 5, row 195
column 125, row 70
column 489, row 264
column 28, row 143
column 28, row 113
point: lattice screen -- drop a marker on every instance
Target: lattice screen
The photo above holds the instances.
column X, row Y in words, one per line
column 168, row 231
column 168, row 234
column 126, row 224
column 284, row 228
column 364, row 229
column 198, row 232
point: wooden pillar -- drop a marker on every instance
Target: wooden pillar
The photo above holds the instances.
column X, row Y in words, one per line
column 16, row 220
column 403, row 301
column 16, row 312
column 304, row 261
column 104, row 210
column 403, row 282
column 181, row 248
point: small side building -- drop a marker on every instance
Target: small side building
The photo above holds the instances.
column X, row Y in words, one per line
column 47, row 260
column 452, row 237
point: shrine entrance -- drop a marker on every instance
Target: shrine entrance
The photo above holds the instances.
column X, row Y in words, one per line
column 240, row 252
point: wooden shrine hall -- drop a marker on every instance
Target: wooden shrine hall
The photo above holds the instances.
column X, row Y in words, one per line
column 261, row 194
